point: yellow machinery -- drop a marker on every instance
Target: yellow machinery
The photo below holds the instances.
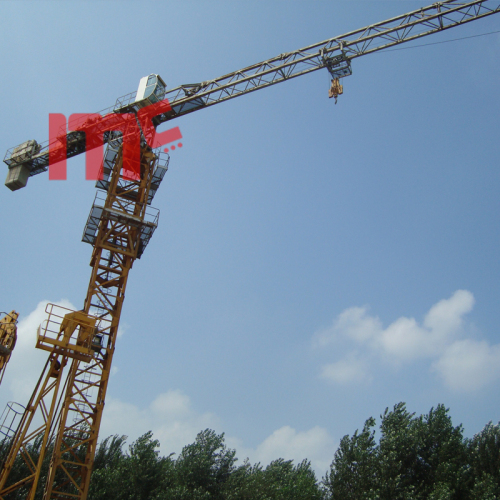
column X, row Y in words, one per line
column 69, row 412
column 8, row 337
column 336, row 89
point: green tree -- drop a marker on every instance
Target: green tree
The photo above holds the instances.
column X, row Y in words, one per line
column 280, row 480
column 109, row 452
column 108, row 465
column 398, row 454
column 421, row 456
column 141, row 474
column 203, row 467
column 20, row 470
column 246, row 482
column 484, row 459
column 353, row 472
column 284, row 481
column 442, row 457
column 416, row 458
column 147, row 473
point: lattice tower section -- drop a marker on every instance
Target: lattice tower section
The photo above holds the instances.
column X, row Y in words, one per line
column 66, row 412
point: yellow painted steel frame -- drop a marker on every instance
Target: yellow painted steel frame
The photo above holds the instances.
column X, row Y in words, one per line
column 31, row 430
column 75, row 336
column 72, row 423
column 8, row 337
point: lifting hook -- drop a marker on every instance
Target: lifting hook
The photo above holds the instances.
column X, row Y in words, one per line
column 336, row 89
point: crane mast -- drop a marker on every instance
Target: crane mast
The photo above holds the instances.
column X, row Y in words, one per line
column 126, row 224
column 67, row 411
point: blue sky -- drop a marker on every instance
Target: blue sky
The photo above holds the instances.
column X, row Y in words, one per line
column 314, row 263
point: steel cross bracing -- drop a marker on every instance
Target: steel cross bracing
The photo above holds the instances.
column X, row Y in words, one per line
column 411, row 26
column 119, row 241
column 329, row 54
column 68, row 414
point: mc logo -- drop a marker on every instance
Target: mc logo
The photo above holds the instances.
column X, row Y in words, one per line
column 94, row 126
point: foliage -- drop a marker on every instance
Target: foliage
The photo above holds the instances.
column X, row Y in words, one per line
column 353, row 472
column 140, row 474
column 423, row 457
column 20, row 470
column 416, row 457
column 484, row 459
column 203, row 467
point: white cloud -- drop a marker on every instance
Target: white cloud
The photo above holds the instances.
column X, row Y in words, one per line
column 468, row 365
column 445, row 317
column 315, row 445
column 405, row 339
column 440, row 337
column 170, row 416
column 346, row 371
column 175, row 424
column 353, row 323
column 122, row 328
column 26, row 363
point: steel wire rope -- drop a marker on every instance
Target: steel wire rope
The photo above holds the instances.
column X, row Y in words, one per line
column 436, row 43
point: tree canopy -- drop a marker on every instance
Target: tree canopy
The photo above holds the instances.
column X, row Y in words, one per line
column 422, row 457
column 414, row 457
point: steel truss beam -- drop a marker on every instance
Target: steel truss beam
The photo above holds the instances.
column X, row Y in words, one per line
column 405, row 28
column 33, row 431
column 185, row 99
column 116, row 247
column 71, row 417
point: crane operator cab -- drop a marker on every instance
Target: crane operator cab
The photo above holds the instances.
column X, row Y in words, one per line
column 151, row 89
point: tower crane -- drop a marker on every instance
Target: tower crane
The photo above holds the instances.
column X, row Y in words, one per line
column 65, row 410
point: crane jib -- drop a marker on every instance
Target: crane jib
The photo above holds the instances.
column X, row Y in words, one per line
column 335, row 54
